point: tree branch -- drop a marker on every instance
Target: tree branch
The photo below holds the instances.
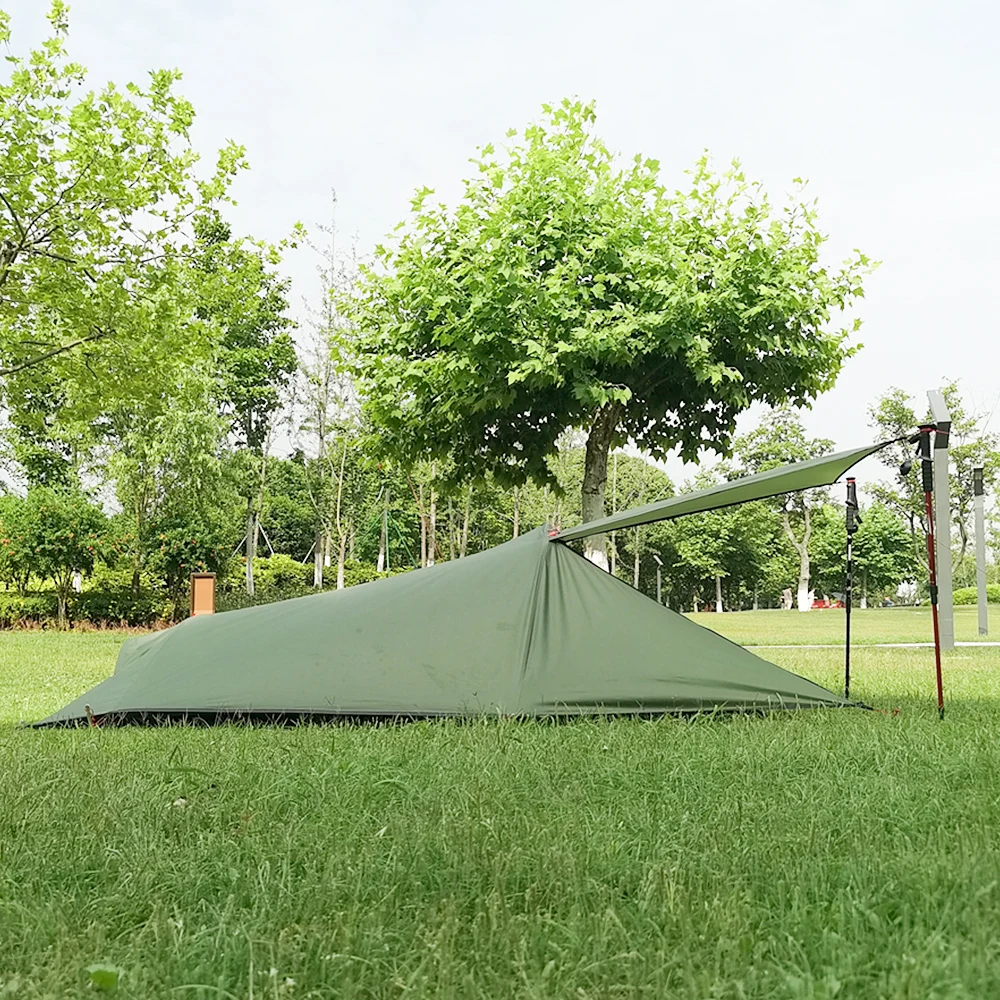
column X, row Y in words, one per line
column 38, row 359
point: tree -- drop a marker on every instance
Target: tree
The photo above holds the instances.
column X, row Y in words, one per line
column 895, row 415
column 779, row 440
column 883, row 555
column 62, row 533
column 188, row 544
column 287, row 517
column 255, row 357
column 635, row 482
column 97, row 190
column 565, row 291
column 16, row 550
column 162, row 455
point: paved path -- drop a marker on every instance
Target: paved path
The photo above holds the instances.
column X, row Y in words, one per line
column 860, row 645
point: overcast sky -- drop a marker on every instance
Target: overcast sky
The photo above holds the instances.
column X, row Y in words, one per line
column 889, row 109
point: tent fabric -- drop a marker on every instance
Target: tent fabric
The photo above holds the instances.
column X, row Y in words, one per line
column 823, row 471
column 527, row 628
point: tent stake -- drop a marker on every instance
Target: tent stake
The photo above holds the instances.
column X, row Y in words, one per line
column 927, row 474
column 853, row 520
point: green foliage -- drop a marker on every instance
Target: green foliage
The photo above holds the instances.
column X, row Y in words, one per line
column 970, row 595
column 288, row 514
column 883, row 553
column 281, row 573
column 563, row 286
column 51, row 534
column 185, row 545
column 16, row 562
column 896, row 414
column 18, row 610
column 98, row 191
column 122, row 607
column 256, row 354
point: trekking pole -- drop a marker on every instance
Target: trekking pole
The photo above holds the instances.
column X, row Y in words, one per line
column 927, row 474
column 853, row 520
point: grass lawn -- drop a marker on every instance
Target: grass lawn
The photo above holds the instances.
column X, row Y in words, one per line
column 816, row 855
column 827, row 626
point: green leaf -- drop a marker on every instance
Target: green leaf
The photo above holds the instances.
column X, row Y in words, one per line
column 104, row 977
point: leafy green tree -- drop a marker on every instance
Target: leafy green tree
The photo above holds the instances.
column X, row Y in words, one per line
column 16, row 549
column 186, row 544
column 883, row 555
column 162, row 455
column 288, row 519
column 759, row 554
column 255, row 357
column 55, row 534
column 895, row 414
column 634, row 482
column 97, row 190
column 778, row 440
column 565, row 291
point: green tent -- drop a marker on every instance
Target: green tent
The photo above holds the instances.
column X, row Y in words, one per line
column 527, row 628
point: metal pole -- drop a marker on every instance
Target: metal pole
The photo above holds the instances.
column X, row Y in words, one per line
column 853, row 520
column 980, row 502
column 927, row 475
column 942, row 526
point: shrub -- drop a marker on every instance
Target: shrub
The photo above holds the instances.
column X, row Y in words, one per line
column 121, row 607
column 186, row 546
column 969, row 595
column 18, row 610
column 281, row 573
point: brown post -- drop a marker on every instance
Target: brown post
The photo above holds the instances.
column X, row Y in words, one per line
column 202, row 594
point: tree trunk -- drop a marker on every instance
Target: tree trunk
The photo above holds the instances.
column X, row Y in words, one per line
column 328, row 548
column 718, row 594
column 614, row 510
column 249, row 549
column 432, row 526
column 802, row 547
column 517, row 512
column 423, row 527
column 463, row 543
column 694, row 603
column 595, row 478
column 864, row 590
column 756, row 600
column 62, row 603
column 802, row 593
column 380, row 562
column 635, row 565
column 341, row 559
column 318, row 560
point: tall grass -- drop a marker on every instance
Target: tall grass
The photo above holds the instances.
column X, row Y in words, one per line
column 813, row 855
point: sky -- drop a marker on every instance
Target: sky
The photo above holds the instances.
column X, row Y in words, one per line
column 891, row 110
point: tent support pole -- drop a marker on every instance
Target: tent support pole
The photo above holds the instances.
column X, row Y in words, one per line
column 853, row 520
column 927, row 473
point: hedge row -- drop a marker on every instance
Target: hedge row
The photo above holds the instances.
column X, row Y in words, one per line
column 114, row 606
column 100, row 607
column 969, row 595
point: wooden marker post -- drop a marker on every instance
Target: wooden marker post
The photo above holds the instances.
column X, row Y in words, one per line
column 202, row 594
